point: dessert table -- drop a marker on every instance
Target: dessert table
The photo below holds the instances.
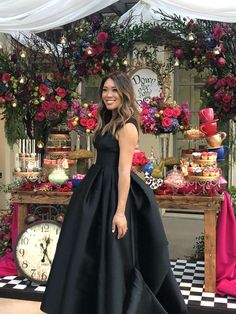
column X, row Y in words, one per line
column 209, row 205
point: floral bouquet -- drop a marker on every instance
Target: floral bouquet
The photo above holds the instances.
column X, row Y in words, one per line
column 82, row 117
column 139, row 160
column 160, row 116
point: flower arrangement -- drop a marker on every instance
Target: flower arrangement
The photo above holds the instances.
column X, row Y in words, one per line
column 5, row 232
column 139, row 159
column 160, row 116
column 82, row 117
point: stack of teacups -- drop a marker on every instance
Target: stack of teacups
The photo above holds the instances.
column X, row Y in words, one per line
column 214, row 138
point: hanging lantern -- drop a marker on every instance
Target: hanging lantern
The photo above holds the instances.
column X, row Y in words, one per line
column 23, row 54
column 216, row 50
column 40, row 144
column 63, row 40
column 190, row 37
column 22, row 80
column 176, row 64
column 14, row 103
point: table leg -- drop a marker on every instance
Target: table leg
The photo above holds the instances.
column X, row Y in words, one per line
column 210, row 249
column 21, row 215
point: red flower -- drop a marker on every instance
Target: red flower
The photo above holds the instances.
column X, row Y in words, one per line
column 221, row 62
column 176, row 112
column 43, row 89
column 114, row 49
column 64, row 104
column 9, row 97
column 168, row 112
column 61, row 92
column 58, row 107
column 211, row 80
column 218, row 32
column 6, row 77
column 179, row 53
column 83, row 121
column 40, row 116
column 99, row 50
column 46, row 106
column 139, row 159
column 102, row 37
column 94, row 113
column 197, row 52
column 166, row 122
column 227, row 98
column 91, row 123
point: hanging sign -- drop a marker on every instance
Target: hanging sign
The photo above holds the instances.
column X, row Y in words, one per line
column 145, row 84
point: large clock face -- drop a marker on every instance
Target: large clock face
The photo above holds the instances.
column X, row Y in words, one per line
column 35, row 249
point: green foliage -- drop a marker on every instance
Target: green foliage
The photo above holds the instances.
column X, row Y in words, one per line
column 198, row 247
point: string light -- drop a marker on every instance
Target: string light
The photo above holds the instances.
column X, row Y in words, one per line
column 217, row 50
column 14, row 104
column 22, row 80
column 190, row 37
column 125, row 62
column 176, row 64
column 40, row 144
column 63, row 40
column 42, row 98
column 89, row 51
column 22, row 54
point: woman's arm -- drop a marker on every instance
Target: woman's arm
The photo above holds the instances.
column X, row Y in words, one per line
column 128, row 138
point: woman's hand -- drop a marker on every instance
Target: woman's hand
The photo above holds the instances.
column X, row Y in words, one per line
column 119, row 221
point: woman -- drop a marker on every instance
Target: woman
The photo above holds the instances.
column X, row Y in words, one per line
column 112, row 255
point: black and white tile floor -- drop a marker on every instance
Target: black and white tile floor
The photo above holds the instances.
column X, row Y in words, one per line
column 190, row 277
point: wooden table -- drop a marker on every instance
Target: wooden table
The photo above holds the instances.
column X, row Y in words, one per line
column 210, row 206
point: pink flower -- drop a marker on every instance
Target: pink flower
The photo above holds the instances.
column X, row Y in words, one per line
column 166, row 122
column 43, row 90
column 227, row 98
column 102, row 37
column 64, row 104
column 168, row 112
column 94, row 113
column 83, row 121
column 114, row 49
column 58, row 107
column 61, row 92
column 218, row 32
column 176, row 112
column 179, row 53
column 91, row 123
column 211, row 80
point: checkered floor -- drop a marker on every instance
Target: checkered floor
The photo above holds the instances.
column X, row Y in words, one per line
column 190, row 277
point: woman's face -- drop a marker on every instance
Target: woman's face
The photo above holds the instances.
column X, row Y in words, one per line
column 110, row 96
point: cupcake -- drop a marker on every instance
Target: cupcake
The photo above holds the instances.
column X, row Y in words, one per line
column 196, row 155
column 205, row 172
column 204, row 155
column 198, row 172
column 212, row 156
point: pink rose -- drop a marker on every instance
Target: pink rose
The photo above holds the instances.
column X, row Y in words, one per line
column 61, row 92
column 83, row 121
column 58, row 107
column 179, row 53
column 94, row 113
column 221, row 62
column 102, row 37
column 211, row 80
column 168, row 112
column 64, row 104
column 166, row 122
column 99, row 50
column 176, row 112
column 43, row 89
column 91, row 123
column 114, row 49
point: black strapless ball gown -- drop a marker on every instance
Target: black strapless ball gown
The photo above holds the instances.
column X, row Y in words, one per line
column 93, row 272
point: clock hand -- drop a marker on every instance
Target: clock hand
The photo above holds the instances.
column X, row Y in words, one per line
column 45, row 252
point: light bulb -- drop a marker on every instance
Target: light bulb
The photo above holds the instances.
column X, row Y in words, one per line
column 42, row 98
column 22, row 80
column 63, row 40
column 190, row 37
column 217, row 50
column 125, row 62
column 23, row 54
column 14, row 104
column 176, row 64
column 40, row 144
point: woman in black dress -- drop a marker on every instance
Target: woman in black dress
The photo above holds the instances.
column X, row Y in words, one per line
column 112, row 254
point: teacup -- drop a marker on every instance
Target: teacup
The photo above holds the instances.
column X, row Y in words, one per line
column 209, row 128
column 216, row 139
column 221, row 151
column 206, row 115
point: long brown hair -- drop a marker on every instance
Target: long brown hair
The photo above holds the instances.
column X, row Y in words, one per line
column 127, row 109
